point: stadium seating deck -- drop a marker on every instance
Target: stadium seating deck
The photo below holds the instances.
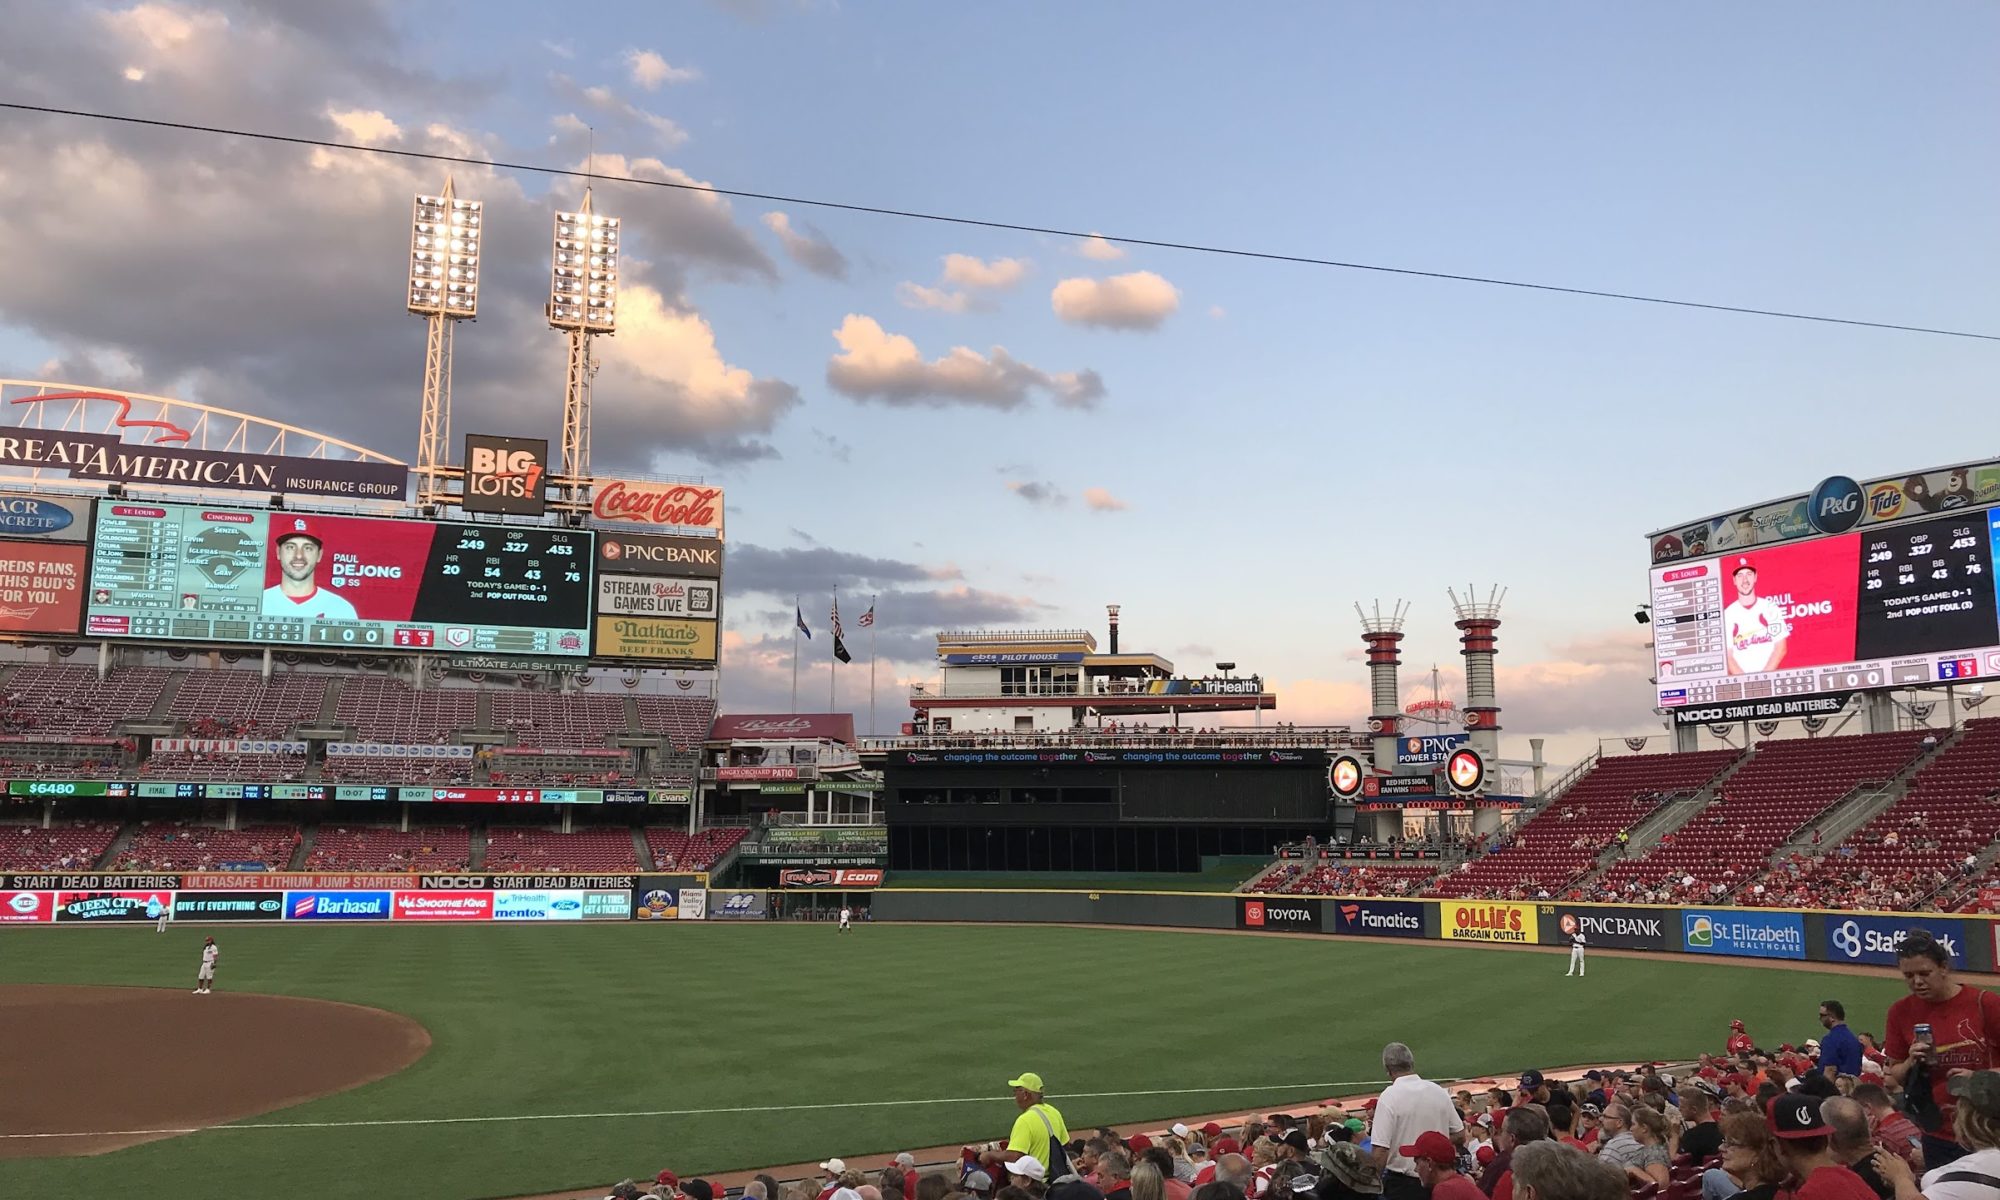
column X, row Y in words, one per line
column 68, row 846
column 389, row 711
column 372, row 848
column 63, row 701
column 224, row 703
column 585, row 850
column 579, row 720
column 401, row 769
column 678, row 850
column 205, row 764
column 684, row 720
column 186, row 846
column 1350, row 879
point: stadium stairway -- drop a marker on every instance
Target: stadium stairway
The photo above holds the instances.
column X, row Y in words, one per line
column 1866, row 802
column 640, row 848
column 1660, row 822
column 308, row 836
column 118, row 846
column 476, row 861
column 329, row 704
column 163, row 707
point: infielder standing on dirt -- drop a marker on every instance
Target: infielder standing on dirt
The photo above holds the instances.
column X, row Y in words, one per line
column 1576, row 945
column 204, row 978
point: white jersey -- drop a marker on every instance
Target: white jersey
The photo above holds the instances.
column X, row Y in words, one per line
column 209, row 954
column 1753, row 631
column 322, row 605
column 845, row 915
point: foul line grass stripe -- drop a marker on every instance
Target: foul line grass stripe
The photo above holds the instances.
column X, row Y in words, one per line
column 695, row 1112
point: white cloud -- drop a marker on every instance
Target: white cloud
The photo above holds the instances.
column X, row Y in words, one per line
column 1217, row 311
column 1100, row 500
column 808, row 247
column 619, row 109
column 649, row 70
column 1095, row 247
column 134, row 74
column 874, row 364
column 967, row 271
column 1140, row 300
column 1038, row 493
column 369, row 127
column 916, row 295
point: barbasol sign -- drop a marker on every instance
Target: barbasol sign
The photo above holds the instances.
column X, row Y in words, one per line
column 1860, row 939
column 1431, row 748
column 337, row 906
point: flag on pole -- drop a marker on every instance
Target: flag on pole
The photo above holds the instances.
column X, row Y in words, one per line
column 839, row 647
column 868, row 618
column 803, row 628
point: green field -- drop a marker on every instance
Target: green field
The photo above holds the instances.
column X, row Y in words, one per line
column 745, row 1031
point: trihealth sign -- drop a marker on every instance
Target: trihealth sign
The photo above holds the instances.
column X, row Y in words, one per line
column 1875, row 939
column 1480, row 921
column 1747, row 934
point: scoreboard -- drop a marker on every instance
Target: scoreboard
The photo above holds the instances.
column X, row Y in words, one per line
column 1891, row 605
column 200, row 573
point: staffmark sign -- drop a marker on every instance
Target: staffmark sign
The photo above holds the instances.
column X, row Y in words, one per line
column 1875, row 939
column 1297, row 916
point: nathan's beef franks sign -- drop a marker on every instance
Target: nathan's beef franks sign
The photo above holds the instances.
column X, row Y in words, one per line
column 662, row 505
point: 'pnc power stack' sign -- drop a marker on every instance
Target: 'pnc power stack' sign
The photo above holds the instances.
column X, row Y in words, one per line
column 505, row 475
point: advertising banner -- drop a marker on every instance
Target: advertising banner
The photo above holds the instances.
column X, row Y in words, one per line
column 658, row 596
column 607, row 906
column 694, row 904
column 1875, row 939
column 1428, row 748
column 1744, row 933
column 1611, row 928
column 45, row 518
column 656, row 639
column 1390, row 787
column 1298, row 915
column 41, row 586
column 1379, row 918
column 538, row 906
column 778, row 727
column 1482, row 921
column 337, row 906
column 505, row 475
column 1893, row 498
column 476, row 882
column 229, row 906
column 386, row 750
column 105, row 456
column 1047, row 757
column 112, row 906
column 845, row 877
column 21, row 907
column 686, row 506
column 443, row 906
column 739, row 906
column 655, row 904
column 652, row 554
column 754, row 774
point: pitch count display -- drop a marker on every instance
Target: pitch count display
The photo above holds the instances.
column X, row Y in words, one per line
column 1887, row 606
column 205, row 574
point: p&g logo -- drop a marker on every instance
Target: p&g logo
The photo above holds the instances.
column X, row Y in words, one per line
column 1835, row 505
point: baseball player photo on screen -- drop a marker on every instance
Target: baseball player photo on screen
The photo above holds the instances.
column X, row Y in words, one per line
column 1789, row 606
column 299, row 548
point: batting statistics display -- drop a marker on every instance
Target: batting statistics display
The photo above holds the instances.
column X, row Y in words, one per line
column 205, row 574
column 1890, row 605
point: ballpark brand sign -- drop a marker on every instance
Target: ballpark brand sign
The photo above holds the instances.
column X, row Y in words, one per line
column 1612, row 928
column 1300, row 916
column 1750, row 935
column 1463, row 921
column 672, row 505
column 1379, row 918
column 1875, row 939
column 505, row 475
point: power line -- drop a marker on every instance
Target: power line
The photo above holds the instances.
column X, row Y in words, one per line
column 1009, row 226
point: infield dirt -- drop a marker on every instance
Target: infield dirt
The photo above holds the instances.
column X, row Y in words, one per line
column 162, row 1061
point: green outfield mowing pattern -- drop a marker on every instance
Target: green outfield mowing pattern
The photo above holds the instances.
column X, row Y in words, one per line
column 618, row 1018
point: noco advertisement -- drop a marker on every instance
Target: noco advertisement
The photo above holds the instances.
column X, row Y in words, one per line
column 1767, row 631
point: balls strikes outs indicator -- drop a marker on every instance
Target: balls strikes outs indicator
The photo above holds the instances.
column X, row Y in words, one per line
column 1466, row 770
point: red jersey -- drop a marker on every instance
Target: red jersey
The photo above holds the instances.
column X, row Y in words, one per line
column 1965, row 1031
column 1833, row 1183
column 1739, row 1043
column 1899, row 1135
column 1456, row 1187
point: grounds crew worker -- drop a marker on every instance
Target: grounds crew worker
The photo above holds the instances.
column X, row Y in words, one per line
column 1037, row 1131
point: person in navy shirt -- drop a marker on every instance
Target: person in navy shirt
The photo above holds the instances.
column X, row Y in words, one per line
column 1839, row 1050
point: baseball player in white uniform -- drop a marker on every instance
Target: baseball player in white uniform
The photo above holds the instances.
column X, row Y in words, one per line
column 1754, row 627
column 161, row 925
column 846, row 915
column 204, row 978
column 1576, row 944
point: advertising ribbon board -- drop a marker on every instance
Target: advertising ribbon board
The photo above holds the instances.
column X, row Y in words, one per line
column 1293, row 915
column 1379, row 918
column 1481, row 921
column 112, row 906
column 1859, row 939
column 1744, row 934
column 656, row 639
column 337, row 906
column 229, row 906
column 692, row 507
column 21, row 907
column 443, row 906
column 560, row 905
column 607, row 906
column 850, row 877
column 739, row 906
column 655, row 904
column 1607, row 928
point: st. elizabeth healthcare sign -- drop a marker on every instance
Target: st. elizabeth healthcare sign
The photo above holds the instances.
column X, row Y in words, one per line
column 1744, row 934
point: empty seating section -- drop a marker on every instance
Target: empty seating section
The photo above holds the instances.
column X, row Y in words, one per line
column 1562, row 842
column 366, row 848
column 240, row 704
column 553, row 768
column 68, row 846
column 674, row 770
column 1351, row 879
column 186, row 846
column 547, row 850
column 65, row 701
column 552, row 719
column 391, row 712
column 39, row 760
column 684, row 720
column 220, row 765
column 678, row 850
column 398, row 769
column 1783, row 787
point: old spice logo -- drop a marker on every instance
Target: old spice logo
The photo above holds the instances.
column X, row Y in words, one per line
column 169, row 432
column 658, row 504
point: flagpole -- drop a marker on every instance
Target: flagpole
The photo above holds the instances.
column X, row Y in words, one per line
column 871, row 667
column 795, row 654
column 832, row 656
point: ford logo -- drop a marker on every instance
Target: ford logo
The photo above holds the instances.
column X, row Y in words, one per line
column 1835, row 505
column 24, row 514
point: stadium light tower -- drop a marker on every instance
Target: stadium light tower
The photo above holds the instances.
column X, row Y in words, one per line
column 583, row 301
column 444, row 289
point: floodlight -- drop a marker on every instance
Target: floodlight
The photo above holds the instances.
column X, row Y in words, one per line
column 444, row 256
column 583, row 272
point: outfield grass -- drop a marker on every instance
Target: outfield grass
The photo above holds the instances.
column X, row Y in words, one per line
column 707, row 1016
column 1214, row 879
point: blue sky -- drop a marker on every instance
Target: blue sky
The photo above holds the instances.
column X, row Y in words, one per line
column 1285, row 441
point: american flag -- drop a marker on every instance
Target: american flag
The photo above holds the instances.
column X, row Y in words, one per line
column 836, row 616
column 868, row 618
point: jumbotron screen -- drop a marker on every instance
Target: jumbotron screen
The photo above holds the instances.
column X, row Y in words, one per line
column 1885, row 606
column 199, row 573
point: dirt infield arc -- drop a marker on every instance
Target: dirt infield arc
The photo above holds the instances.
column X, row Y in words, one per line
column 181, row 1062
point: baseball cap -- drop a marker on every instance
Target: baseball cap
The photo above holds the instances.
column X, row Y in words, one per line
column 1028, row 1080
column 1179, row 1130
column 1431, row 1145
column 906, row 1159
column 1485, row 1119
column 1304, row 1183
column 1356, row 1124
column 1981, row 1090
column 978, row 1181
column 1138, row 1142
column 287, row 528
column 1211, row 1129
column 1028, row 1167
column 1225, row 1145
column 669, row 1178
column 1296, row 1139
column 834, row 1166
column 1795, row 1117
column 700, row 1189
column 1591, row 1110
column 1741, row 564
column 1530, row 1080
column 1737, row 1024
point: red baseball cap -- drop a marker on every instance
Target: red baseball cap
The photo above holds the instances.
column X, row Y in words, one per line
column 669, row 1178
column 1138, row 1142
column 1211, row 1129
column 285, row 528
column 1225, row 1145
column 1431, row 1145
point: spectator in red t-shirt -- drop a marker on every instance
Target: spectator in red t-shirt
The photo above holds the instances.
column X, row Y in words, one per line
column 1437, row 1167
column 1804, row 1141
column 1890, row 1129
column 1964, row 1032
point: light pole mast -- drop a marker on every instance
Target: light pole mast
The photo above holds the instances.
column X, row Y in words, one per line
column 583, row 302
column 444, row 290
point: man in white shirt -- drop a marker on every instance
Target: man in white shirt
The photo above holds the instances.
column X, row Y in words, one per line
column 1754, row 628
column 1409, row 1106
column 297, row 593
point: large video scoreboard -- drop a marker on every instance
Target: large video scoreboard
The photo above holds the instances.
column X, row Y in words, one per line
column 203, row 573
column 1895, row 603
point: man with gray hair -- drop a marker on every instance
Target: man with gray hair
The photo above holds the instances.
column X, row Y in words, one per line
column 1853, row 1146
column 1235, row 1170
column 1408, row 1108
column 1553, row 1171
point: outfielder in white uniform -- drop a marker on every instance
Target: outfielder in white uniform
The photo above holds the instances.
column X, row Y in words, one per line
column 165, row 912
column 204, row 978
column 846, row 915
column 1576, row 945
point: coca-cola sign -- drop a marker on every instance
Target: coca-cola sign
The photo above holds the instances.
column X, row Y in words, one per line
column 675, row 505
column 767, row 727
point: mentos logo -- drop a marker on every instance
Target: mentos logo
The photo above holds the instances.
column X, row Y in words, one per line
column 337, row 906
column 26, row 515
column 1835, row 505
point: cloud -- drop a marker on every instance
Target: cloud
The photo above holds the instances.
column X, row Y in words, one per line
column 1100, row 500
column 1042, row 495
column 835, row 449
column 1096, row 248
column 1140, row 300
column 1217, row 311
column 809, row 247
column 781, row 572
column 967, row 271
column 916, row 295
column 649, row 70
column 874, row 364
column 621, row 112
